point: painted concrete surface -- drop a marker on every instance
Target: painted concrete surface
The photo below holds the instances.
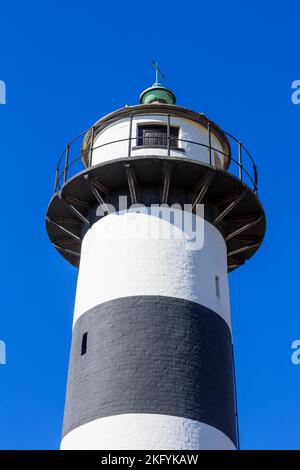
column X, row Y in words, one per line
column 146, row 431
column 120, row 259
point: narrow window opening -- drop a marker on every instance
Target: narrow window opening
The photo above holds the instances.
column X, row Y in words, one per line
column 84, row 344
column 217, row 283
column 157, row 136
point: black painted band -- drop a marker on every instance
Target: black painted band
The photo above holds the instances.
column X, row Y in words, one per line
column 151, row 354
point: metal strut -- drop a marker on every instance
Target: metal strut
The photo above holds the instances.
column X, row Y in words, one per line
column 66, row 250
column 166, row 186
column 236, row 261
column 243, row 228
column 95, row 191
column 63, row 229
column 242, row 249
column 103, row 189
column 204, row 185
column 75, row 211
column 230, row 207
column 131, row 182
column 78, row 202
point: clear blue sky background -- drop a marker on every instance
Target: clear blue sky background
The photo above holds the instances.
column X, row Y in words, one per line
column 66, row 64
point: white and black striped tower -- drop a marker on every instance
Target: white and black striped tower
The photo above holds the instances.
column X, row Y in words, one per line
column 151, row 364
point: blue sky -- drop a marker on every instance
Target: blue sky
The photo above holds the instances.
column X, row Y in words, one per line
column 65, row 65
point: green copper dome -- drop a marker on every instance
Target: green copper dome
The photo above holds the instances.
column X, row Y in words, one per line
column 157, row 93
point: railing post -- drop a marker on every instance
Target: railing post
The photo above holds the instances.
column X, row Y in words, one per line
column 240, row 162
column 66, row 163
column 92, row 146
column 56, row 179
column 255, row 177
column 130, row 136
column 209, row 143
column 169, row 135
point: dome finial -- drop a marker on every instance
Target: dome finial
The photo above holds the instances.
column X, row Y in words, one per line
column 157, row 73
column 157, row 93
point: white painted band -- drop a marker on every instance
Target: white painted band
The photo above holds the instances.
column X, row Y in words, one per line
column 113, row 267
column 146, row 431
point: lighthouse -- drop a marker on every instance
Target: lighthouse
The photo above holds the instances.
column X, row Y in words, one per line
column 154, row 204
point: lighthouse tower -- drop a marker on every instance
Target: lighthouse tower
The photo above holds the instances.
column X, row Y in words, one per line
column 151, row 363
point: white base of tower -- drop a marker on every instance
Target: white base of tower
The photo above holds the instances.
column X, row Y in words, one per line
column 146, row 432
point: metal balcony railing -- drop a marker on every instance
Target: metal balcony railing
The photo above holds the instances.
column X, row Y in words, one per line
column 73, row 159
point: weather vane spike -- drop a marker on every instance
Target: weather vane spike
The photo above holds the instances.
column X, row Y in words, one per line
column 157, row 71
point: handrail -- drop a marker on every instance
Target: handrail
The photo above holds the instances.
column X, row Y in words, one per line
column 241, row 162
